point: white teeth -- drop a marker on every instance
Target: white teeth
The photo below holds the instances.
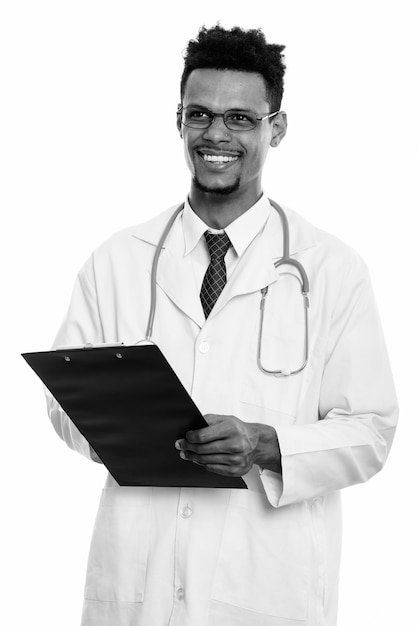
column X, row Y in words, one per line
column 214, row 158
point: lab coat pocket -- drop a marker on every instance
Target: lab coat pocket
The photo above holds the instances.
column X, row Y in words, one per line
column 264, row 562
column 282, row 394
column 117, row 564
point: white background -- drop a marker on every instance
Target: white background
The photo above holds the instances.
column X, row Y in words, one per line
column 89, row 146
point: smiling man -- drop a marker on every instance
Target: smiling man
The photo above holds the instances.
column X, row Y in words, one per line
column 298, row 405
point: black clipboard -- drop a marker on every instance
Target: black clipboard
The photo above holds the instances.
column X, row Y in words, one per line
column 130, row 406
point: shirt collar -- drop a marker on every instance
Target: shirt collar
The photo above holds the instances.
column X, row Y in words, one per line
column 241, row 231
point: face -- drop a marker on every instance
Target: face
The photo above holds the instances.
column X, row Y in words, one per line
column 222, row 161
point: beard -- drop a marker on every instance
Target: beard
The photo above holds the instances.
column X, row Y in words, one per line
column 221, row 191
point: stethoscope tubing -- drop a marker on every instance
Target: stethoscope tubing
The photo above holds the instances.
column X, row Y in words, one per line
column 284, row 260
column 153, row 303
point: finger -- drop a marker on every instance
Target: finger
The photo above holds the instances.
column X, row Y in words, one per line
column 208, row 434
column 203, row 448
column 205, row 459
column 224, row 470
column 220, row 446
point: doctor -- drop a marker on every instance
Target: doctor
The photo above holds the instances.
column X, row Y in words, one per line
column 269, row 555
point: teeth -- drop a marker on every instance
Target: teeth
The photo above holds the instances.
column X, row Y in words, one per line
column 214, row 158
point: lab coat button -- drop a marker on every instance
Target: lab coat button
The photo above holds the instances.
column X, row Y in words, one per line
column 204, row 347
column 180, row 593
column 186, row 512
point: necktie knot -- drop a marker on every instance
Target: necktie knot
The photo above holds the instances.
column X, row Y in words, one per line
column 218, row 245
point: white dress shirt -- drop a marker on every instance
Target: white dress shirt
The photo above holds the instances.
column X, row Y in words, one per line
column 241, row 233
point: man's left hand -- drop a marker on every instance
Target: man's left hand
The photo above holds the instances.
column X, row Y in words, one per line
column 230, row 446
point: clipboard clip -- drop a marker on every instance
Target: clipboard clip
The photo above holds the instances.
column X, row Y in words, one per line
column 90, row 346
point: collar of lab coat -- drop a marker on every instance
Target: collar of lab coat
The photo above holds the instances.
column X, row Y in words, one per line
column 254, row 271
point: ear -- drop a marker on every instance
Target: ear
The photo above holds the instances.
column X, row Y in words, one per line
column 279, row 129
column 179, row 125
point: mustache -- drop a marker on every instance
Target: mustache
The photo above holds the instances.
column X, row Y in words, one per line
column 221, row 151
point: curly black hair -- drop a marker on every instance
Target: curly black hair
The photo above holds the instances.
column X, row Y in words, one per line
column 240, row 50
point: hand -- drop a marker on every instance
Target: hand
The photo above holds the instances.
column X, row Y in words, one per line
column 231, row 447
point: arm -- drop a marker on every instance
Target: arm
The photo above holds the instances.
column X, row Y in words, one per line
column 81, row 325
column 357, row 404
column 357, row 415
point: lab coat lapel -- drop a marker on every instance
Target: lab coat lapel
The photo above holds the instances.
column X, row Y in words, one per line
column 175, row 274
column 176, row 277
column 255, row 269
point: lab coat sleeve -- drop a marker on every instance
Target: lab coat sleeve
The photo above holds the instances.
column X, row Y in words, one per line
column 81, row 325
column 357, row 406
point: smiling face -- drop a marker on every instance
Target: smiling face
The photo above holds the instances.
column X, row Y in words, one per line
column 225, row 162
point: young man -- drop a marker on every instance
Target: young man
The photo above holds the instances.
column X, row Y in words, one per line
column 298, row 433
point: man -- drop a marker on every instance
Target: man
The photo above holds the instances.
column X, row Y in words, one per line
column 268, row 555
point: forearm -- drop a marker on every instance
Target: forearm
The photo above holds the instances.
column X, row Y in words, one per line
column 81, row 325
column 66, row 429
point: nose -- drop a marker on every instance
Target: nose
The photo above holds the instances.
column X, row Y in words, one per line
column 217, row 131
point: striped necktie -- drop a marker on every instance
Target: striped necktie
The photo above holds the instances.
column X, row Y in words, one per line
column 215, row 277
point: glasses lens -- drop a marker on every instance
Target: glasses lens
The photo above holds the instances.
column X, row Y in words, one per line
column 196, row 118
column 240, row 120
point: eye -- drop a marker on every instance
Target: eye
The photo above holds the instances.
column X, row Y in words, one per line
column 197, row 114
column 241, row 120
column 240, row 116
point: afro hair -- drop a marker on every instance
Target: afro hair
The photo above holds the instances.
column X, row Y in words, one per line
column 239, row 50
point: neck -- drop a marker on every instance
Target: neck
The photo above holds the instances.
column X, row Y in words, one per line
column 218, row 211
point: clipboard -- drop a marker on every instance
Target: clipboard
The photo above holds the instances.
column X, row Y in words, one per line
column 131, row 407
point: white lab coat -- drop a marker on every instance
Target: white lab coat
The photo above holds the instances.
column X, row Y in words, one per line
column 268, row 556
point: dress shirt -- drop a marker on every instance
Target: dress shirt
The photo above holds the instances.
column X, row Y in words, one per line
column 241, row 233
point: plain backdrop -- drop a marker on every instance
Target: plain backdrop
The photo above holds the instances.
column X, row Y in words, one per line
column 89, row 145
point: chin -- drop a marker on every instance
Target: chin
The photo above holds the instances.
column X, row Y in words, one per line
column 217, row 190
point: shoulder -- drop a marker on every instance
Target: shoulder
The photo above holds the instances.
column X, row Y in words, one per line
column 149, row 231
column 331, row 263
column 328, row 249
column 132, row 244
column 338, row 275
column 138, row 237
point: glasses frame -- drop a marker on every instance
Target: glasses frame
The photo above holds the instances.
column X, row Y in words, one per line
column 212, row 116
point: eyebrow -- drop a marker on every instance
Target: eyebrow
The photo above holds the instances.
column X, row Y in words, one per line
column 202, row 106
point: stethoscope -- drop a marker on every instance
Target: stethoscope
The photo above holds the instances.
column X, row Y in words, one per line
column 285, row 260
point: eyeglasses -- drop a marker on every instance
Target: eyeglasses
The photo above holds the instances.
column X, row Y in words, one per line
column 234, row 119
